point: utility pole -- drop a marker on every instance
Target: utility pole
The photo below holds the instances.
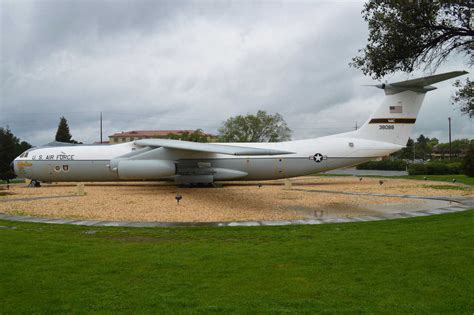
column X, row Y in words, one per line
column 356, row 126
column 450, row 152
column 100, row 127
column 414, row 143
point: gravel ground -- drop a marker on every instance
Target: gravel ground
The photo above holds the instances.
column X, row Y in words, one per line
column 235, row 201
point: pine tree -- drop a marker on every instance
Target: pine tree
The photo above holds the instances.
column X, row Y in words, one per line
column 63, row 134
column 10, row 148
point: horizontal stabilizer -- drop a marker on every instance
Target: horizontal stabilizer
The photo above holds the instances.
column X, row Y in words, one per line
column 432, row 79
column 207, row 147
column 420, row 85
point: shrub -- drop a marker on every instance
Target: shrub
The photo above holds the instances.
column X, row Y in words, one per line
column 469, row 162
column 435, row 168
column 455, row 168
column 386, row 165
column 417, row 169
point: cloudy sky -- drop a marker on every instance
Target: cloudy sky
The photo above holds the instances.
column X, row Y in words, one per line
column 184, row 65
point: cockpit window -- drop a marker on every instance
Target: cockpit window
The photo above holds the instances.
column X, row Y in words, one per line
column 26, row 154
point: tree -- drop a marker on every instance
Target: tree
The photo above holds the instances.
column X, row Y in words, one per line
column 425, row 147
column 469, row 161
column 63, row 134
column 405, row 35
column 422, row 148
column 10, row 148
column 405, row 153
column 261, row 127
column 433, row 142
column 464, row 97
column 460, row 146
column 196, row 136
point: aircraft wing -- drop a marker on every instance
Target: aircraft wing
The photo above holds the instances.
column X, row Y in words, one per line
column 207, row 147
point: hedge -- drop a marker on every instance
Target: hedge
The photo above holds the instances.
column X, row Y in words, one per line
column 435, row 168
column 386, row 165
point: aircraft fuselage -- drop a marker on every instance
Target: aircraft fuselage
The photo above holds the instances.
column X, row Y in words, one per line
column 93, row 162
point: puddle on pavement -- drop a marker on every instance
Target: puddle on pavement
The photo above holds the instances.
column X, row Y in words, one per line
column 347, row 210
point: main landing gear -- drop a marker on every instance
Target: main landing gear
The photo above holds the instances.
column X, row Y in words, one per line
column 34, row 183
column 200, row 185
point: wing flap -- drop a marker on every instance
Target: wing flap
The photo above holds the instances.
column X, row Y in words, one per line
column 208, row 147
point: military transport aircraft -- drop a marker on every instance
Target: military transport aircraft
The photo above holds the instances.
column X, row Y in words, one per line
column 191, row 163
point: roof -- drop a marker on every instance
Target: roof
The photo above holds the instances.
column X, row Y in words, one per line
column 151, row 133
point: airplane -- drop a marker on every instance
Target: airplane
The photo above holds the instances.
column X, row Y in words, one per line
column 191, row 163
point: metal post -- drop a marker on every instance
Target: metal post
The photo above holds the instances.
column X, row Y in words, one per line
column 450, row 152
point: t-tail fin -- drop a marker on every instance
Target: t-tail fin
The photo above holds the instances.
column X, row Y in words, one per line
column 394, row 119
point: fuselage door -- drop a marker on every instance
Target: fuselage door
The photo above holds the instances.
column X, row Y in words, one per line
column 280, row 167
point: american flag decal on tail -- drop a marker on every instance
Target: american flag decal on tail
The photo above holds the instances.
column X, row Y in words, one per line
column 396, row 109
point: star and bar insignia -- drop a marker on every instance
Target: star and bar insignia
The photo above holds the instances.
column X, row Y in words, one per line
column 318, row 157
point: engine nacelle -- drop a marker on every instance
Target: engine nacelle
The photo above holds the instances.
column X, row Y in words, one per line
column 145, row 169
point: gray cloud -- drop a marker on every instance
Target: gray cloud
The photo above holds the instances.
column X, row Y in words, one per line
column 173, row 65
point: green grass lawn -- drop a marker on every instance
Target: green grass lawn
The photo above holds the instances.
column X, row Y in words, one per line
column 13, row 181
column 420, row 265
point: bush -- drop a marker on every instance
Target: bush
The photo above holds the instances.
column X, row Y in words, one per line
column 417, row 169
column 455, row 168
column 386, row 165
column 469, row 162
column 435, row 168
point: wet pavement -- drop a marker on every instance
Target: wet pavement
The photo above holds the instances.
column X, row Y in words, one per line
column 356, row 172
column 436, row 205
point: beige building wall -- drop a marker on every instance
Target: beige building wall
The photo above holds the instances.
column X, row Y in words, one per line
column 119, row 138
column 113, row 140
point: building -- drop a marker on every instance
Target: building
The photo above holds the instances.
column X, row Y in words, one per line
column 127, row 136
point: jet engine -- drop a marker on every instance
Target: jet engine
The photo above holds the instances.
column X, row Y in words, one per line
column 145, row 169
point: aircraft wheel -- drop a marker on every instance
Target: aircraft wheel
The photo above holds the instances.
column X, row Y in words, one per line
column 34, row 183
